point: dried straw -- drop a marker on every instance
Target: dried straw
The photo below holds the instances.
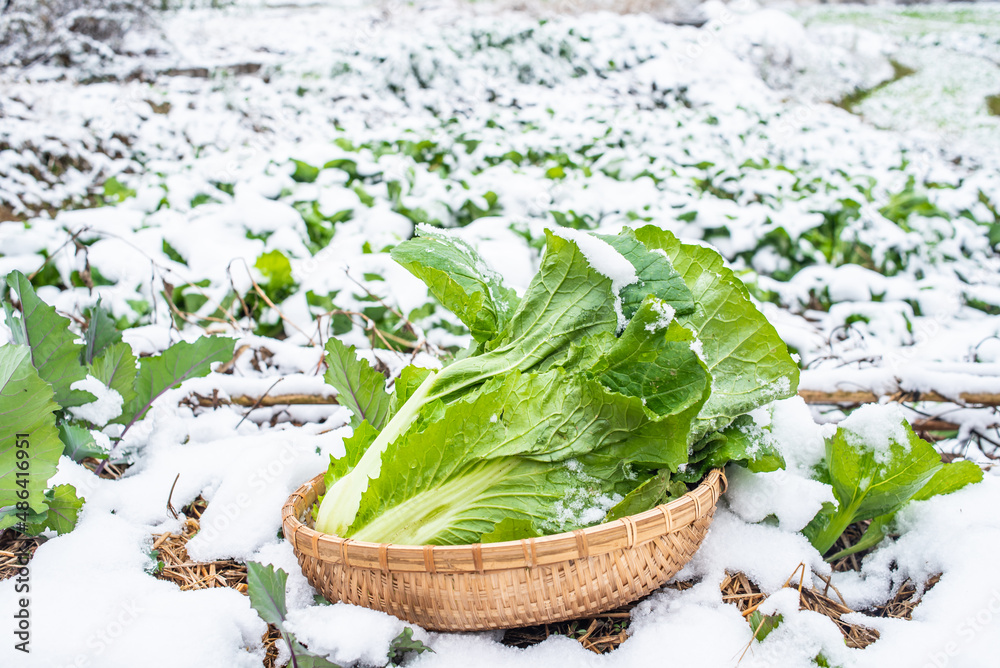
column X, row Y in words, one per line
column 12, row 546
column 108, row 471
column 605, row 632
column 739, row 590
column 599, row 634
column 905, row 601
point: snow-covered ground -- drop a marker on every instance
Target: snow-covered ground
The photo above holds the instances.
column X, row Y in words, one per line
column 948, row 67
column 243, row 144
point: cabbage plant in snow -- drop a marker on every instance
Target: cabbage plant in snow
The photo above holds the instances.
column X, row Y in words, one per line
column 876, row 465
column 623, row 369
column 58, row 396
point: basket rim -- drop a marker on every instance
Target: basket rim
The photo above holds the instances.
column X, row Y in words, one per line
column 624, row 533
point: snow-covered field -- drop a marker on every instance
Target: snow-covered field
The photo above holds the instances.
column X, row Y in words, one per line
column 282, row 150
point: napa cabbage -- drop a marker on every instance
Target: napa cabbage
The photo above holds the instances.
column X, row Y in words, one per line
column 620, row 372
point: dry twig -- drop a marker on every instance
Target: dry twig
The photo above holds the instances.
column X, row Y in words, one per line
column 863, row 397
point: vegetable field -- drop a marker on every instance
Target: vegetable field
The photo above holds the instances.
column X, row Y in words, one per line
column 499, row 273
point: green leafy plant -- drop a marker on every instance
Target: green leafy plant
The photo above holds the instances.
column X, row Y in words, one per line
column 570, row 398
column 359, row 387
column 304, row 172
column 762, row 624
column 277, row 270
column 910, row 202
column 42, row 370
column 54, row 350
column 460, row 280
column 405, row 644
column 115, row 192
column 876, row 465
column 320, row 228
column 266, row 587
column 190, row 302
column 30, row 447
column 156, row 375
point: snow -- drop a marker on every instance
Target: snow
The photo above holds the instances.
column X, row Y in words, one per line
column 106, row 406
column 664, row 316
column 791, row 499
column 877, row 428
column 581, row 506
column 767, row 554
column 348, row 635
column 97, row 606
column 906, row 372
column 953, row 60
column 798, row 438
column 957, row 621
column 801, row 636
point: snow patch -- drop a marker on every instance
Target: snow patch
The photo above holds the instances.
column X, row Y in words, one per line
column 105, row 408
column 348, row 634
column 877, row 428
column 665, row 315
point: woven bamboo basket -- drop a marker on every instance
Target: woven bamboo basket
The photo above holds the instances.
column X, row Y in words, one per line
column 505, row 585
